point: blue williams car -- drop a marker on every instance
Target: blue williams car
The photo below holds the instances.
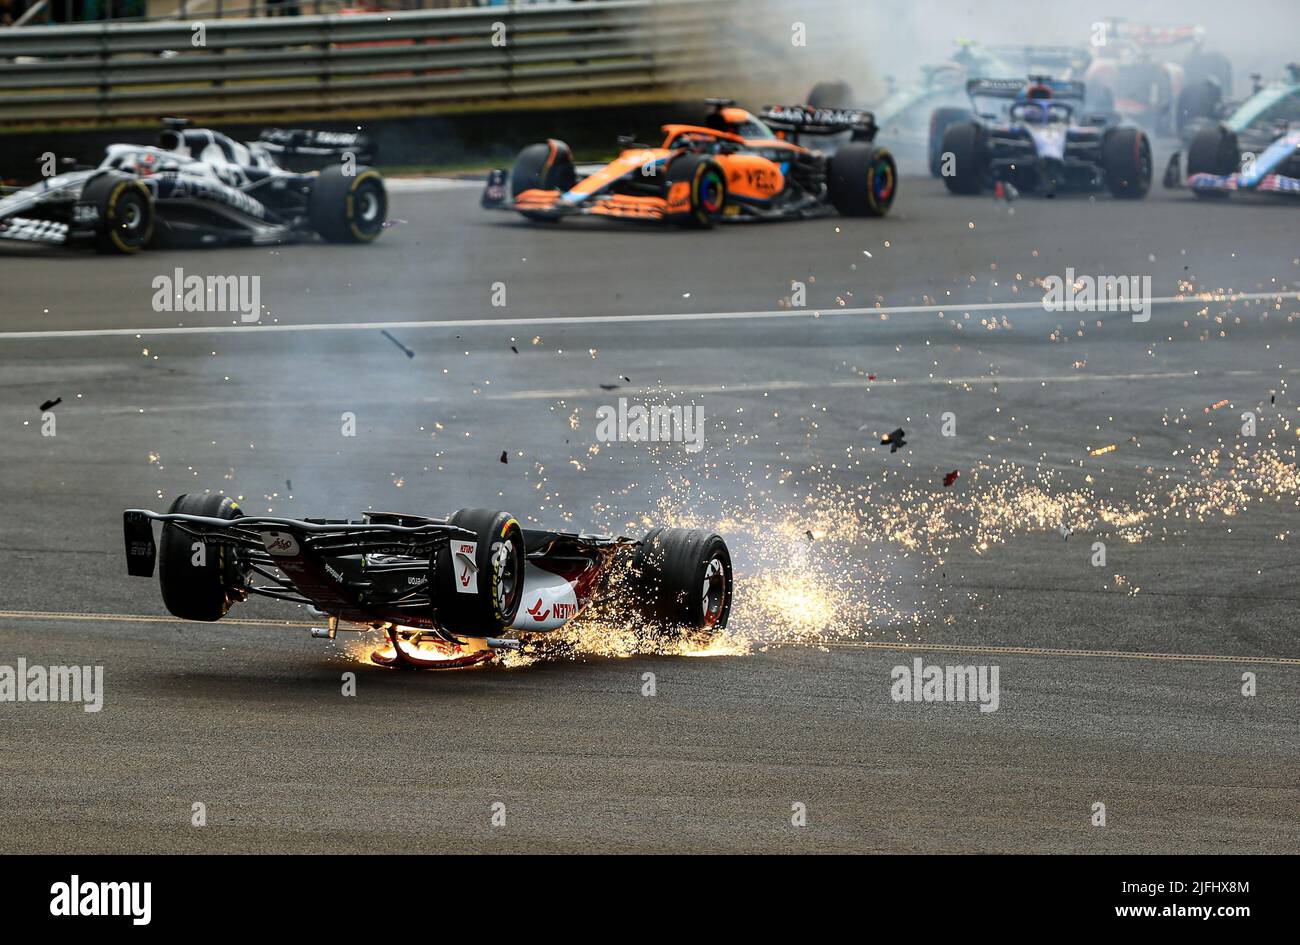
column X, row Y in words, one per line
column 1034, row 135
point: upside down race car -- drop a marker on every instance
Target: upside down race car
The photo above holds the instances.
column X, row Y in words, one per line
column 1039, row 142
column 199, row 186
column 737, row 166
column 448, row 592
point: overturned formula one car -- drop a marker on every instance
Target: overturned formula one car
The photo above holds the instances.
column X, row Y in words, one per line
column 198, row 186
column 448, row 592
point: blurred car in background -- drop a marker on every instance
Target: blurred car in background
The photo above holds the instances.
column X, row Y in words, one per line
column 1035, row 136
column 1136, row 67
column 1255, row 148
column 921, row 110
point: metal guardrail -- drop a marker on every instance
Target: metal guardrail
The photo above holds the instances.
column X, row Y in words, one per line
column 105, row 71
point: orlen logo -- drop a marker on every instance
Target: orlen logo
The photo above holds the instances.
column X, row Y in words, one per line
column 558, row 611
column 280, row 544
column 465, row 567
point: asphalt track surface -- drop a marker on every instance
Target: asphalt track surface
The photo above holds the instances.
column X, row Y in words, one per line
column 1119, row 685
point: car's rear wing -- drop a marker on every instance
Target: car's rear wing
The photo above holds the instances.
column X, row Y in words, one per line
column 306, row 148
column 1155, row 34
column 271, row 538
column 1047, row 57
column 1012, row 88
column 805, row 119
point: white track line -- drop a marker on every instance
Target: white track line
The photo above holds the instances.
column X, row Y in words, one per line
column 426, row 185
column 847, row 644
column 536, row 321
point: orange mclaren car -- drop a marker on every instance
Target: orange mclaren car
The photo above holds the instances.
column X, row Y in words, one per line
column 736, row 166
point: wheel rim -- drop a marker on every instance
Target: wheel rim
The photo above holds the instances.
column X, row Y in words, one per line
column 132, row 217
column 507, row 567
column 882, row 182
column 712, row 192
column 367, row 206
column 129, row 224
column 715, row 591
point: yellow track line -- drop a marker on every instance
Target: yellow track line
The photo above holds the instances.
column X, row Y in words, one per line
column 1053, row 651
column 846, row 644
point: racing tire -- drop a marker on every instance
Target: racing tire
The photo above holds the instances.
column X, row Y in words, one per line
column 481, row 601
column 206, row 589
column 861, row 180
column 940, row 120
column 696, row 188
column 833, row 94
column 683, row 583
column 970, row 157
column 1214, row 150
column 1197, row 100
column 544, row 166
column 125, row 212
column 348, row 209
column 1126, row 159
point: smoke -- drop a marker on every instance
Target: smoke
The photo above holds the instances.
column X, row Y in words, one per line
column 866, row 43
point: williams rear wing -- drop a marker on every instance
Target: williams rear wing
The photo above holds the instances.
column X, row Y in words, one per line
column 270, row 540
column 1011, row 88
column 1055, row 58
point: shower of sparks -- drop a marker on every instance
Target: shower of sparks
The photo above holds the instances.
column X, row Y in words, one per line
column 869, row 575
column 838, row 547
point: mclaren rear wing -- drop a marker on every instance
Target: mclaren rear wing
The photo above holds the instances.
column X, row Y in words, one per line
column 1010, row 89
column 268, row 539
column 806, row 120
